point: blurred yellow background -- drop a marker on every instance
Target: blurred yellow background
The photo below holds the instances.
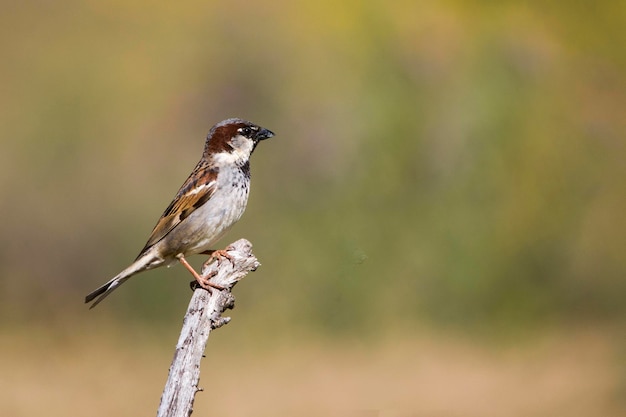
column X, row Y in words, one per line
column 440, row 218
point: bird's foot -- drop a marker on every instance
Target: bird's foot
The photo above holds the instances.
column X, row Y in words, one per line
column 206, row 284
column 202, row 281
column 217, row 255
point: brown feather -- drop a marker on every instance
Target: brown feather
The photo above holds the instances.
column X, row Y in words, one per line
column 188, row 197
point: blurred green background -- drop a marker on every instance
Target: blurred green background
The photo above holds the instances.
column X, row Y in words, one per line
column 455, row 166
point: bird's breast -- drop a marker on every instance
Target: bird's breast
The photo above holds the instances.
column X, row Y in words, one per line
column 209, row 222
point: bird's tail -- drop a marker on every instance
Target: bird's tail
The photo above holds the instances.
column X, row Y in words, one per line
column 103, row 291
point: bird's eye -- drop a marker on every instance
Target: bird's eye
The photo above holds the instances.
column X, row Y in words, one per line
column 245, row 131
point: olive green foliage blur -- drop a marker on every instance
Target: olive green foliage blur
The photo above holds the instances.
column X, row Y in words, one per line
column 456, row 163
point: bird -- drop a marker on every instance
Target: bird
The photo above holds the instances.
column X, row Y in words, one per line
column 205, row 207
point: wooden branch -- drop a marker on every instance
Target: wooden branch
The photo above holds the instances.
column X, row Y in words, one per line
column 203, row 315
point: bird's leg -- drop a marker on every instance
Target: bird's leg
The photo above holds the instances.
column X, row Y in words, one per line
column 215, row 254
column 204, row 282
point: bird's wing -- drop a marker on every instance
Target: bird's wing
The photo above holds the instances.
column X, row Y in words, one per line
column 195, row 192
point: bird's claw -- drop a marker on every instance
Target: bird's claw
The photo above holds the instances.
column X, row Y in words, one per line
column 217, row 255
column 203, row 282
column 207, row 285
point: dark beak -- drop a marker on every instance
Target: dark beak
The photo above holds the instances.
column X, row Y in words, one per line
column 264, row 134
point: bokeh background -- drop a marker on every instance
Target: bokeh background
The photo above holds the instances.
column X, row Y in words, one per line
column 440, row 218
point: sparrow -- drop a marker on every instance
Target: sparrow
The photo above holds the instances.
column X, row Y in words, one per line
column 209, row 202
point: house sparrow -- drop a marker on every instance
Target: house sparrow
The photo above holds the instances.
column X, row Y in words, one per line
column 210, row 201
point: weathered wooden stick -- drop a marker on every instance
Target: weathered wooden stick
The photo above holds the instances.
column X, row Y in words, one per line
column 203, row 315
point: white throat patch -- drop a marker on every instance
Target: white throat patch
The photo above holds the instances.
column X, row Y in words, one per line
column 242, row 148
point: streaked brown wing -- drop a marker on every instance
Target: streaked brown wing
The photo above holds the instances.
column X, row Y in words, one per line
column 196, row 191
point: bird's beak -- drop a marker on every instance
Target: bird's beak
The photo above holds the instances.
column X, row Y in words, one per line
column 264, row 134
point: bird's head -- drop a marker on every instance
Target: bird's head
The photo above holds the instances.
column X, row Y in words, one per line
column 235, row 139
